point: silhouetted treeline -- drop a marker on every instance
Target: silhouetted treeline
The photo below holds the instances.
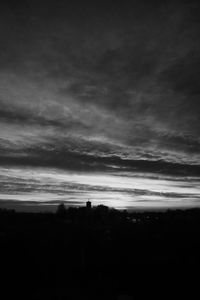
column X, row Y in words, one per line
column 99, row 253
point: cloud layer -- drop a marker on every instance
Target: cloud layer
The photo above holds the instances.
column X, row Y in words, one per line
column 100, row 86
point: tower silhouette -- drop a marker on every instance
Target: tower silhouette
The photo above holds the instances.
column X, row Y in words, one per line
column 88, row 205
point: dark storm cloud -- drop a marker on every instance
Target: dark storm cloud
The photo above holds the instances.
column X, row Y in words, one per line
column 115, row 83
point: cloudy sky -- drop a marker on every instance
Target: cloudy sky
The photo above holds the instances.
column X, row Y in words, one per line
column 100, row 100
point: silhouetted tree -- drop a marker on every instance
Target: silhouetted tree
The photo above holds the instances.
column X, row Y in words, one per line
column 61, row 210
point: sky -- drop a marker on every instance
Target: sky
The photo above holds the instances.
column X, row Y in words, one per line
column 100, row 100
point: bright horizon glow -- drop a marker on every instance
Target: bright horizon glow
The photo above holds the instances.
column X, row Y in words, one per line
column 119, row 190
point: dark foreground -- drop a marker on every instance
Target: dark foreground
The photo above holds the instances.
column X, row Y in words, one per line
column 99, row 254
